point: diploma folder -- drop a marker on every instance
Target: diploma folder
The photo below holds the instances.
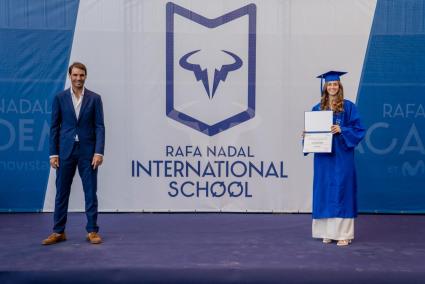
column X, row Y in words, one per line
column 317, row 132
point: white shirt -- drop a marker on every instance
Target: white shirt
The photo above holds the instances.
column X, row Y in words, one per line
column 77, row 105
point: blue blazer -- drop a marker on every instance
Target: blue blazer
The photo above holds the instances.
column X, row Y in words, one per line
column 65, row 125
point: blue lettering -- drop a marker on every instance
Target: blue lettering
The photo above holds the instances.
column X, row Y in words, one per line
column 211, row 151
column 209, row 171
column 139, row 166
column 179, row 152
column 244, row 169
column 219, row 184
column 231, row 151
column 183, row 186
column 178, row 168
column 221, row 152
column 176, row 190
column 199, row 188
column 169, row 151
column 271, row 171
column 259, row 171
column 282, row 174
column 204, row 189
column 168, row 168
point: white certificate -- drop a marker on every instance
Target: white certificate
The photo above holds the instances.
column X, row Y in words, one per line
column 317, row 132
column 320, row 142
column 318, row 121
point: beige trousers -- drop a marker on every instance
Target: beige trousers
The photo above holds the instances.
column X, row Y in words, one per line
column 333, row 228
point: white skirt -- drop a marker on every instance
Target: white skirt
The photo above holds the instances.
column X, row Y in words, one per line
column 333, row 228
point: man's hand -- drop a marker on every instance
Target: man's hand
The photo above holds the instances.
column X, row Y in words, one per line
column 97, row 161
column 54, row 162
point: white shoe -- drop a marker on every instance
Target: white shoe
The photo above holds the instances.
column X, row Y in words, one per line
column 343, row 243
column 327, row 241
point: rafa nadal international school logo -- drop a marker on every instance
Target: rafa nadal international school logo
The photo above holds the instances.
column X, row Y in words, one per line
column 210, row 72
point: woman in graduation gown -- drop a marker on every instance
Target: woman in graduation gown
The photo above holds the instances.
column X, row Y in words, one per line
column 334, row 183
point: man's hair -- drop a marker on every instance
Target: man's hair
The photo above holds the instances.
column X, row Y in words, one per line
column 78, row 65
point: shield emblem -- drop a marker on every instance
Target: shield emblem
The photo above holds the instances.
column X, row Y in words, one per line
column 210, row 68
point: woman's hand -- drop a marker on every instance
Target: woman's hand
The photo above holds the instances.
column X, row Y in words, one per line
column 335, row 129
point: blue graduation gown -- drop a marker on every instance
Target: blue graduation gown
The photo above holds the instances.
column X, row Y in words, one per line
column 334, row 183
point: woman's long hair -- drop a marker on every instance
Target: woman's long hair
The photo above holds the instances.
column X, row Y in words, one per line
column 338, row 101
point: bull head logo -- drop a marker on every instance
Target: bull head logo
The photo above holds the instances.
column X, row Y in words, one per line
column 202, row 74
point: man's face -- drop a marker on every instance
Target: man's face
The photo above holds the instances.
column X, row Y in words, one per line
column 77, row 77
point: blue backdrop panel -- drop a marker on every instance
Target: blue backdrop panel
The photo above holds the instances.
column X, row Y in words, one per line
column 35, row 45
column 390, row 161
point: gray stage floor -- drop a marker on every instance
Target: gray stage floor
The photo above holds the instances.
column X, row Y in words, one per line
column 211, row 248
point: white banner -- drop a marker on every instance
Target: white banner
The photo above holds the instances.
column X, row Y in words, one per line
column 204, row 100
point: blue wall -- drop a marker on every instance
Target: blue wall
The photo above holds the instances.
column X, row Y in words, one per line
column 391, row 99
column 35, row 45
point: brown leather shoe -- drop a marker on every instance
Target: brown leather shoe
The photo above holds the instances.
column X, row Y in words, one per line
column 54, row 238
column 94, row 238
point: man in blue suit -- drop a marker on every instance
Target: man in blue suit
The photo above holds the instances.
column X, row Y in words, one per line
column 77, row 140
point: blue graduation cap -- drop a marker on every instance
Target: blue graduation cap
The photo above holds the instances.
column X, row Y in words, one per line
column 330, row 76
